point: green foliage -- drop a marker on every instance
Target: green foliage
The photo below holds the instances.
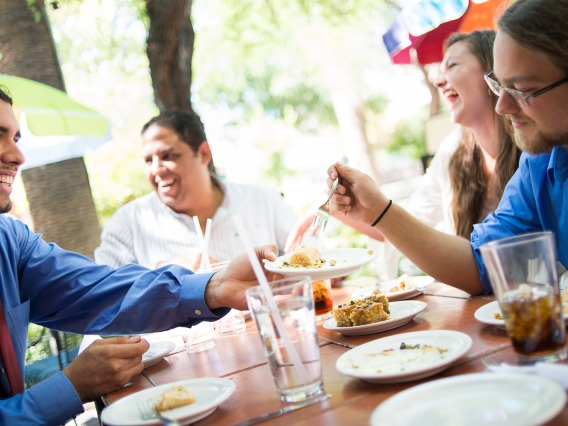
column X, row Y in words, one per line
column 278, row 53
column 408, row 139
column 117, row 185
column 276, row 169
column 377, row 103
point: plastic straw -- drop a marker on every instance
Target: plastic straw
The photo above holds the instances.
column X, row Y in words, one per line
column 265, row 287
column 199, row 233
column 205, row 262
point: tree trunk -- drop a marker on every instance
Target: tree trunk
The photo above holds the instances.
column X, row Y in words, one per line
column 170, row 51
column 61, row 202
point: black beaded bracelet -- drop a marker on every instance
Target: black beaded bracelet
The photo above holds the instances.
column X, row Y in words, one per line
column 383, row 213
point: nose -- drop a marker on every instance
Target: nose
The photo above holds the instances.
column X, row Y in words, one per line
column 506, row 104
column 440, row 80
column 12, row 155
column 155, row 165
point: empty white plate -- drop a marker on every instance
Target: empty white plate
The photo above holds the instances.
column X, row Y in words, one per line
column 156, row 353
column 480, row 399
column 425, row 353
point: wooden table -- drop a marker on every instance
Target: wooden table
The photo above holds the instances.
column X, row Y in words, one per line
column 240, row 358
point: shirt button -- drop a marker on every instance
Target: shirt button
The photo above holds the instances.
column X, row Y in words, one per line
column 197, row 312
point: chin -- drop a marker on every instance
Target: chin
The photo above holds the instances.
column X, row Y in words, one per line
column 5, row 207
column 535, row 144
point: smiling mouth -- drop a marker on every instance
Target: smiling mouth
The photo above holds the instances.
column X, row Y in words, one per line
column 451, row 95
column 164, row 183
column 6, row 181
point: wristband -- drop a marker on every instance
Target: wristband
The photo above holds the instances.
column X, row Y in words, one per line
column 383, row 213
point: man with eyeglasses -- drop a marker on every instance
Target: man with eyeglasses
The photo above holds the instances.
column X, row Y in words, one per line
column 531, row 69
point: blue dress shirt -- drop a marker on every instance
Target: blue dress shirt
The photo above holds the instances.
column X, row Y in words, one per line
column 535, row 199
column 46, row 285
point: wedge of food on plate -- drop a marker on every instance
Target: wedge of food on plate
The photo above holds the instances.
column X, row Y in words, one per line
column 176, row 397
column 370, row 310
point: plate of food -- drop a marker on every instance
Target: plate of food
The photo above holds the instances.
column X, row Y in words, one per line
column 320, row 264
column 491, row 314
column 400, row 313
column 404, row 357
column 478, row 399
column 157, row 352
column 185, row 402
column 405, row 287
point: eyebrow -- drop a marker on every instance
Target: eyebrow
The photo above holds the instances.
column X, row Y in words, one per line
column 515, row 79
column 4, row 129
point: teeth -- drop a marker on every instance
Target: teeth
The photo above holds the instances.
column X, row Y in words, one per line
column 7, row 179
column 163, row 183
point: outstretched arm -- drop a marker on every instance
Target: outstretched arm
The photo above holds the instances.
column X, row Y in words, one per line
column 445, row 257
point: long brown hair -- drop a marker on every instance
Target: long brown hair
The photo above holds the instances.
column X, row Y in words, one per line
column 468, row 174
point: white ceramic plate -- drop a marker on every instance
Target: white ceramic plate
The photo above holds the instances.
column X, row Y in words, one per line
column 382, row 360
column 400, row 313
column 209, row 393
column 486, row 314
column 156, row 353
column 480, row 399
column 347, row 261
column 420, row 284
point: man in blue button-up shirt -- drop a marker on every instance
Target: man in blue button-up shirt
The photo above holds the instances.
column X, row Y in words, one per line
column 530, row 78
column 47, row 285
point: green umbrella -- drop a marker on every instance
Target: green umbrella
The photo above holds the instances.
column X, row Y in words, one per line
column 54, row 126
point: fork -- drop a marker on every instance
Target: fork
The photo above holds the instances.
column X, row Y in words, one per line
column 147, row 410
column 491, row 361
column 323, row 212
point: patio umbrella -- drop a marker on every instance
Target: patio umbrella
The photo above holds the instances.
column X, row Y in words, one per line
column 54, row 127
column 424, row 26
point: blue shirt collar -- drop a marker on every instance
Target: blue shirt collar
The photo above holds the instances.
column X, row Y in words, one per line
column 558, row 164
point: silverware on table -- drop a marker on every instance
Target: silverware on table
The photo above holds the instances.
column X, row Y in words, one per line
column 147, row 410
column 284, row 410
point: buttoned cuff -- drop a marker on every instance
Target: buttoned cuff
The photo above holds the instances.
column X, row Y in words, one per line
column 192, row 297
column 56, row 399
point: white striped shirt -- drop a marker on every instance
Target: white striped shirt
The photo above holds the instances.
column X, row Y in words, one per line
column 146, row 231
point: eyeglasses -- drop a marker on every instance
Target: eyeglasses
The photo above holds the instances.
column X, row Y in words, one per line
column 518, row 95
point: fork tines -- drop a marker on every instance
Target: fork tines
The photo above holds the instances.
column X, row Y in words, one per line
column 147, row 409
column 320, row 220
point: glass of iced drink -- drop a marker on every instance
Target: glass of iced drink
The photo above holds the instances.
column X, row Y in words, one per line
column 322, row 297
column 522, row 271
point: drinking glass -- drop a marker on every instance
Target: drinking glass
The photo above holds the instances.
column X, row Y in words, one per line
column 322, row 297
column 300, row 380
column 200, row 337
column 522, row 271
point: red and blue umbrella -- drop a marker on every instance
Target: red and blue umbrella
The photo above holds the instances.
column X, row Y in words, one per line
column 423, row 26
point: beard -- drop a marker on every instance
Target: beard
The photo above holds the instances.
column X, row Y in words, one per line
column 5, row 208
column 539, row 143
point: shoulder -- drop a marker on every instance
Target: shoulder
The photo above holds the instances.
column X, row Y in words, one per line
column 15, row 233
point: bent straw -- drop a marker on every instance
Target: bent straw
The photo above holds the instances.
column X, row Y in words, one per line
column 263, row 282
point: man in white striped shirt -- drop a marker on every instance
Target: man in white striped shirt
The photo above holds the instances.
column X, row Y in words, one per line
column 158, row 229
